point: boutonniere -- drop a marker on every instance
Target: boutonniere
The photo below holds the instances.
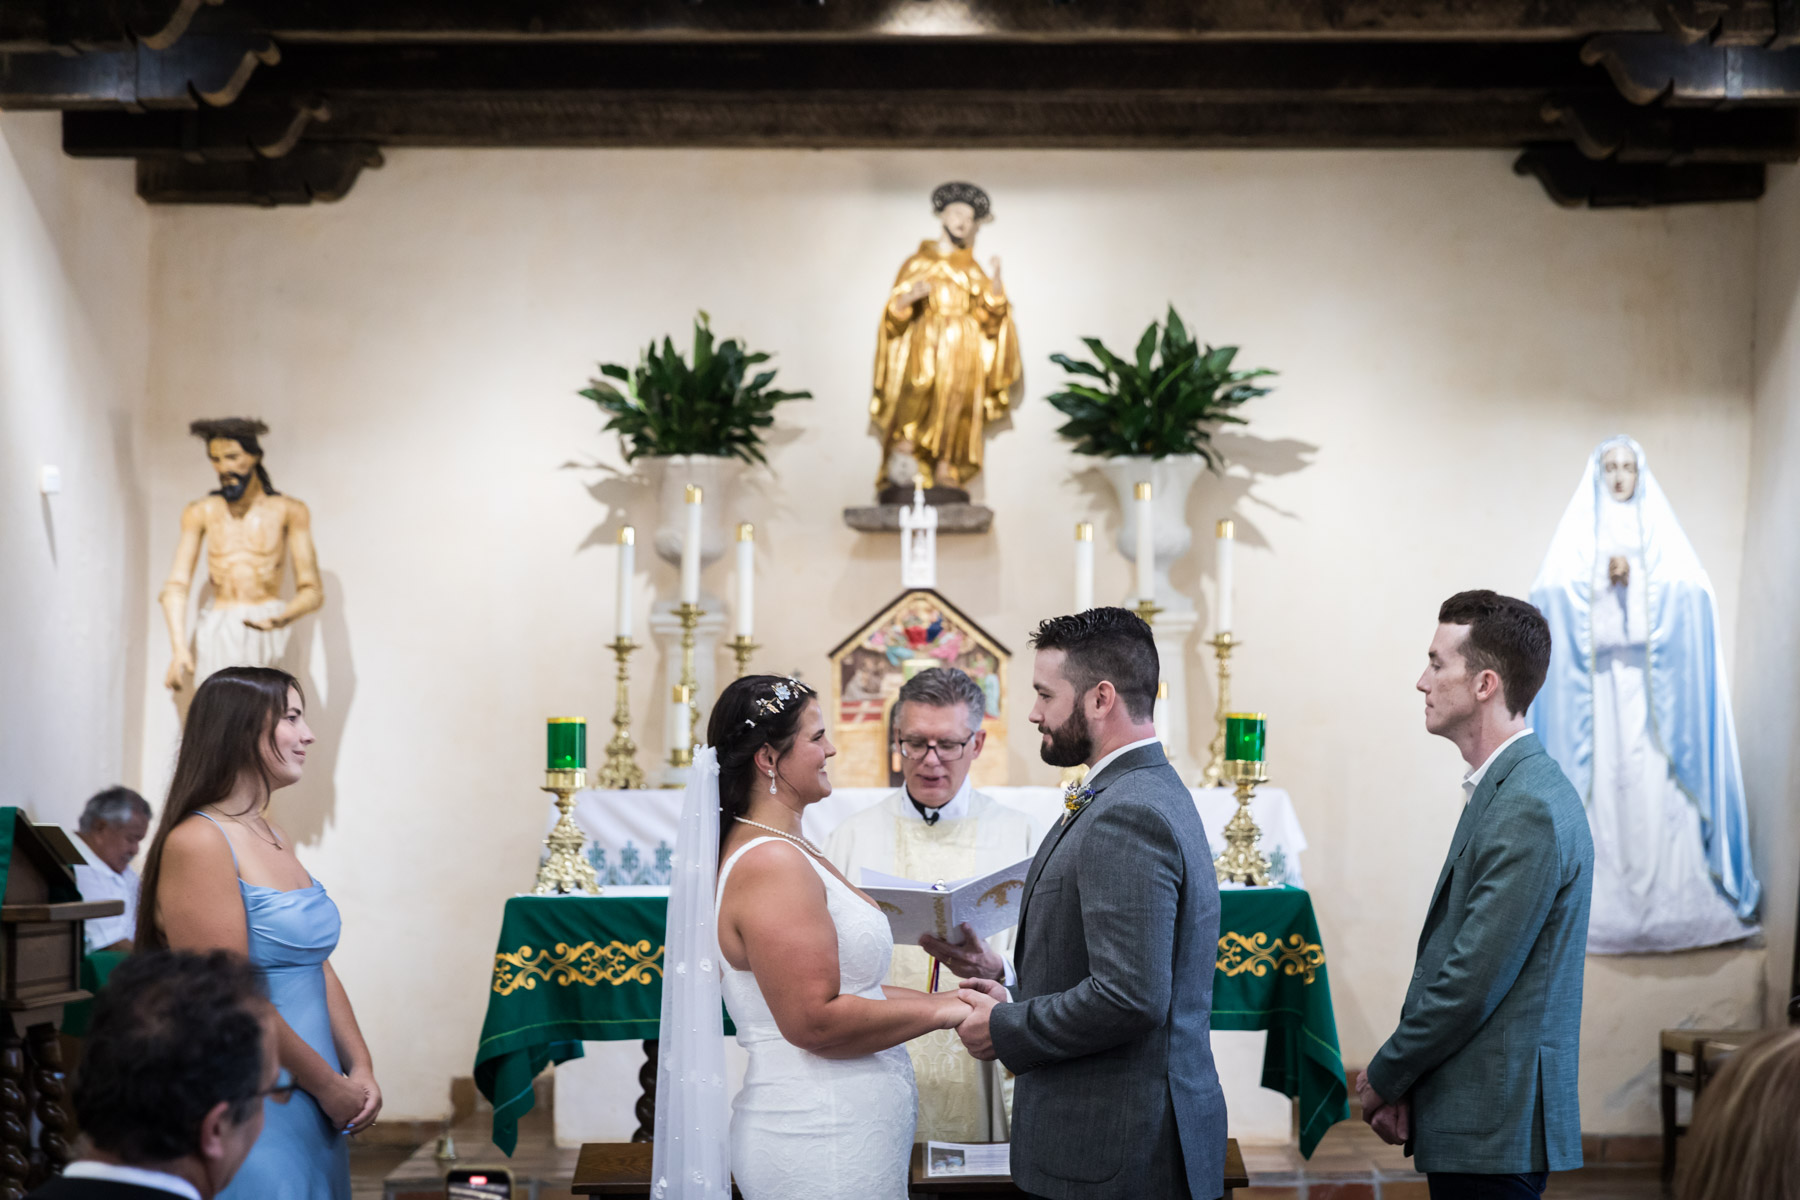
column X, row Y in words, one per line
column 1075, row 798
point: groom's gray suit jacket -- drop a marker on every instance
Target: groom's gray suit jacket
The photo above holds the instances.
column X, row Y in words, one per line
column 1110, row 1029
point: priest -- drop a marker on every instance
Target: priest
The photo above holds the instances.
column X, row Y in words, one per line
column 936, row 826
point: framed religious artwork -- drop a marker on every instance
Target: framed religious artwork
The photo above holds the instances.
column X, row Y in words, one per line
column 917, row 631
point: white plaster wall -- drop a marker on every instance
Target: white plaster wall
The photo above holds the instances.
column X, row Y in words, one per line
column 74, row 350
column 1451, row 346
column 1768, row 688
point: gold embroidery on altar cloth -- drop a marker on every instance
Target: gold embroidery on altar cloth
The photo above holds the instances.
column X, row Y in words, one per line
column 1257, row 954
column 589, row 964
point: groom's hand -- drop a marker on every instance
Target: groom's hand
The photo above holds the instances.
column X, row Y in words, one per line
column 974, row 959
column 981, row 995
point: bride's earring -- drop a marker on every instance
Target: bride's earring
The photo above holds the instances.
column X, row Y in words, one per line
column 771, row 783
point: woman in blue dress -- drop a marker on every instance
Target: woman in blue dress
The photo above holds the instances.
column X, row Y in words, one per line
column 221, row 875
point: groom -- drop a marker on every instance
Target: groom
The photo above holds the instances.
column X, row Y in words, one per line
column 1110, row 1033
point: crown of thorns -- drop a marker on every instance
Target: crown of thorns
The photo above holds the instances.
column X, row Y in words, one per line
column 783, row 694
column 946, row 194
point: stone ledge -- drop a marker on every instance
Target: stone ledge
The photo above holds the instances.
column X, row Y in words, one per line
column 952, row 518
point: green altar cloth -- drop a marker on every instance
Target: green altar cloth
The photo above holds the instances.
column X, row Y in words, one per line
column 96, row 968
column 584, row 968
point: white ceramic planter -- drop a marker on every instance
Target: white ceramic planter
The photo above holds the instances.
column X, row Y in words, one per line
column 1171, row 479
column 718, row 477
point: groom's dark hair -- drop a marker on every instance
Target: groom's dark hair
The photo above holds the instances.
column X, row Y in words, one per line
column 1506, row 636
column 1111, row 644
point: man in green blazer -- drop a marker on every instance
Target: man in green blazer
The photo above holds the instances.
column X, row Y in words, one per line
column 1479, row 1079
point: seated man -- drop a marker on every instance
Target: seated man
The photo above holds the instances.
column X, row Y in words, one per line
column 112, row 825
column 170, row 1092
column 934, row 827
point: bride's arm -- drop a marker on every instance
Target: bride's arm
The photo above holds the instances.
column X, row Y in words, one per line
column 775, row 903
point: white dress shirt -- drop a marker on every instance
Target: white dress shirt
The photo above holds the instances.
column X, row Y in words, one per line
column 1094, row 771
column 160, row 1181
column 1472, row 780
column 97, row 881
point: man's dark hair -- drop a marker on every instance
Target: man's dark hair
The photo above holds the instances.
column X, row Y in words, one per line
column 1112, row 644
column 1506, row 636
column 114, row 806
column 242, row 430
column 173, row 1034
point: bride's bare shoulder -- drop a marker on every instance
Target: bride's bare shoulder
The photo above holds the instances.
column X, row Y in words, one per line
column 770, row 864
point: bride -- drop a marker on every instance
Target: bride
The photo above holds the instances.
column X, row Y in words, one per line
column 828, row 1106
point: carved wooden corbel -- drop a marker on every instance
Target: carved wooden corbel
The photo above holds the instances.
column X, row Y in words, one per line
column 1647, row 68
column 1574, row 180
column 312, row 171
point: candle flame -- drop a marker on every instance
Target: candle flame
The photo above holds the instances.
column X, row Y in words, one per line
column 1143, row 490
column 1084, row 531
column 1227, row 528
column 627, row 535
column 694, row 493
column 746, row 532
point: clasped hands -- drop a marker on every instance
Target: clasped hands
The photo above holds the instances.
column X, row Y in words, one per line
column 1392, row 1123
column 981, row 969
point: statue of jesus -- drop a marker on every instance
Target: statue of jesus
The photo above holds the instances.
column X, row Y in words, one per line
column 946, row 357
column 250, row 530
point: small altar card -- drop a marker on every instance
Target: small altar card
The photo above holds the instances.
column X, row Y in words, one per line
column 987, row 903
column 968, row 1158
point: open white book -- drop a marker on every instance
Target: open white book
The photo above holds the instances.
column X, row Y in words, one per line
column 986, row 903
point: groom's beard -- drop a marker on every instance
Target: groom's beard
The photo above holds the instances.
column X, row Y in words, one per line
column 1070, row 744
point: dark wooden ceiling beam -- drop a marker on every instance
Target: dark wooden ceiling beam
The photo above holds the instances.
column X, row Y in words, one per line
column 1574, row 180
column 70, row 25
column 1604, row 127
column 196, row 70
column 1084, row 20
column 322, row 171
column 1649, row 69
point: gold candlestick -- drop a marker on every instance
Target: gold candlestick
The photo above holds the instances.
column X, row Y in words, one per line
column 1214, row 775
column 688, row 688
column 621, row 769
column 1242, row 861
column 565, row 871
column 743, row 648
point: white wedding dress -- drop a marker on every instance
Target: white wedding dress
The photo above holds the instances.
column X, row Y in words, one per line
column 812, row 1128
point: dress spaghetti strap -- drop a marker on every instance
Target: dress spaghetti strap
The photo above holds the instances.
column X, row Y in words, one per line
column 227, row 837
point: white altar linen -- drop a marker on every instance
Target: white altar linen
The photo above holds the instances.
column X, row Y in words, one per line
column 631, row 834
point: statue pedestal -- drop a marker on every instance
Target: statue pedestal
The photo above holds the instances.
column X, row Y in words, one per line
column 952, row 518
column 1173, row 631
column 665, row 627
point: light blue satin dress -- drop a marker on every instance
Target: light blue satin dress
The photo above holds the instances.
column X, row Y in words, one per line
column 299, row 1155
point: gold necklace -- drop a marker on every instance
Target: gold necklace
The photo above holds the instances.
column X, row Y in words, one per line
column 275, row 842
column 792, row 837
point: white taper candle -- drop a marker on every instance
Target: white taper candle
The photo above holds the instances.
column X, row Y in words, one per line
column 1227, row 539
column 1146, row 545
column 746, row 580
column 627, row 565
column 684, row 729
column 1084, row 566
column 690, row 548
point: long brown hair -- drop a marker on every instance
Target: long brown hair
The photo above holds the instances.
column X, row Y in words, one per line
column 233, row 716
column 1743, row 1144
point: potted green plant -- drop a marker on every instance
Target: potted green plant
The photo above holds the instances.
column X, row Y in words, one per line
column 701, row 420
column 1151, row 418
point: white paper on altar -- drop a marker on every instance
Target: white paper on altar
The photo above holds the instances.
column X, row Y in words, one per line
column 631, row 835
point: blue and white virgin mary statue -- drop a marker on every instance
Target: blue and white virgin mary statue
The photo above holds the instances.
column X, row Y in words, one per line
column 1637, row 713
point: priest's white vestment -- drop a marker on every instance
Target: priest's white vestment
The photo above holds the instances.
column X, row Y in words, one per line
column 960, row 1099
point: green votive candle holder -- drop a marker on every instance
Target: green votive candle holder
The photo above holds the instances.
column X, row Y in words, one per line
column 1245, row 735
column 566, row 743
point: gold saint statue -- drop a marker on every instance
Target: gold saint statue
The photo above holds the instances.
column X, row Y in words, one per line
column 946, row 358
column 250, row 529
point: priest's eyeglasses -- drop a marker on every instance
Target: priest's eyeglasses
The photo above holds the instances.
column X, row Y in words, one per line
column 916, row 749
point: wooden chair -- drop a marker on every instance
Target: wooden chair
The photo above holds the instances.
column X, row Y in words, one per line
column 1707, row 1049
column 623, row 1169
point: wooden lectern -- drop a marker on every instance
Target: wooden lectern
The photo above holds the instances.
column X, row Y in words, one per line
column 41, row 944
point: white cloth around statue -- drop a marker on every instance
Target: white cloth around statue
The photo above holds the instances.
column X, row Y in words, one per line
column 221, row 639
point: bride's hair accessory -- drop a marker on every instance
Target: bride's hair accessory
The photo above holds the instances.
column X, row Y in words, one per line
column 783, row 693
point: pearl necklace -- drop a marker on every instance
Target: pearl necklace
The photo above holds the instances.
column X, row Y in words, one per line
column 792, row 837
